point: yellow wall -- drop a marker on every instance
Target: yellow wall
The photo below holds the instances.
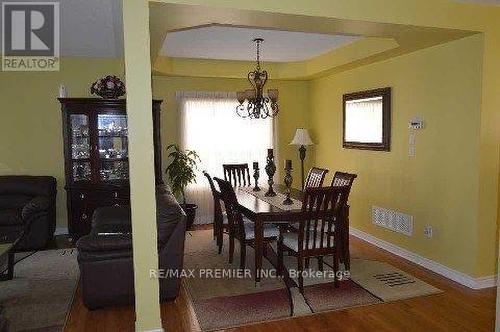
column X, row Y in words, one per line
column 293, row 100
column 440, row 185
column 435, row 14
column 30, row 118
column 31, row 129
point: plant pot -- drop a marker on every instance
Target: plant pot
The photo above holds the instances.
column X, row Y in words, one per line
column 190, row 210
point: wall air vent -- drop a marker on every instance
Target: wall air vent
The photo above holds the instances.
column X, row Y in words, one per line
column 395, row 221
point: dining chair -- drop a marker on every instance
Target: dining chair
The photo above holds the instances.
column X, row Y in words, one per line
column 317, row 235
column 315, row 177
column 237, row 174
column 243, row 231
column 344, row 179
column 220, row 222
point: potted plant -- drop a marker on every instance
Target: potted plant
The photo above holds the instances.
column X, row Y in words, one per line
column 181, row 172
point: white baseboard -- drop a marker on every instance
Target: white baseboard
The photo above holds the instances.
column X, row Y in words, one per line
column 461, row 278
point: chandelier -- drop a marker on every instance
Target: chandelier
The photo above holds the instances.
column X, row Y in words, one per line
column 252, row 102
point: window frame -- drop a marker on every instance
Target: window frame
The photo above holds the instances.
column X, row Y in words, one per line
column 385, row 145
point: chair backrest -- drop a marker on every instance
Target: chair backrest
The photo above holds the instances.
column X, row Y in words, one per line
column 315, row 177
column 321, row 208
column 237, row 174
column 215, row 192
column 228, row 196
column 216, row 196
column 343, row 179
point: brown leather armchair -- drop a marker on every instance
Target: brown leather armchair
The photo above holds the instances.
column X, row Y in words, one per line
column 28, row 204
column 105, row 255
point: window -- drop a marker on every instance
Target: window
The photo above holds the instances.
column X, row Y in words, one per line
column 210, row 126
column 367, row 120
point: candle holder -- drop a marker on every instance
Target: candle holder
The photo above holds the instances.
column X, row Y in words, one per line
column 256, row 176
column 288, row 182
column 270, row 170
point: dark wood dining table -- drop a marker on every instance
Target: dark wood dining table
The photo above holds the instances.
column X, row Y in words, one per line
column 261, row 212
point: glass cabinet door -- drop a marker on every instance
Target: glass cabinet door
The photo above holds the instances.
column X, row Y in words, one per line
column 80, row 147
column 112, row 147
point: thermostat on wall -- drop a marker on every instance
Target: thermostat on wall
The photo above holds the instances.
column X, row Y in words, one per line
column 416, row 123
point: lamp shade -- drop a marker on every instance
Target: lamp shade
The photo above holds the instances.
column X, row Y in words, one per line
column 301, row 137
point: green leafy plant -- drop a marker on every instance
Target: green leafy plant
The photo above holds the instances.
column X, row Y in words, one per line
column 181, row 170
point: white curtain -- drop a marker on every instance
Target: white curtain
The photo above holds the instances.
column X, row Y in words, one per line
column 210, row 126
column 364, row 120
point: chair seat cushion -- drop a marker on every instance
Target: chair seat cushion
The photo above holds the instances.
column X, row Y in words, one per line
column 269, row 230
column 291, row 241
column 10, row 217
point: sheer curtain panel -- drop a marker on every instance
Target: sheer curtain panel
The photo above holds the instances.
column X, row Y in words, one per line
column 210, row 126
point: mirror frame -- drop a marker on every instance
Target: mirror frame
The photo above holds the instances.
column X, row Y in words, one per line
column 385, row 93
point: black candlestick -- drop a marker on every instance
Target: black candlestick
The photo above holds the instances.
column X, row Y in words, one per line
column 302, row 155
column 270, row 170
column 256, row 176
column 288, row 182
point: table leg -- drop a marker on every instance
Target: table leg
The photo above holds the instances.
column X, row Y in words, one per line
column 259, row 242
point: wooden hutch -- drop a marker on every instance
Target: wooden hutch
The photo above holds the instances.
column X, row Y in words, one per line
column 96, row 157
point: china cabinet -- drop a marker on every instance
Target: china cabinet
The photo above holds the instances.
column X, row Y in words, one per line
column 96, row 156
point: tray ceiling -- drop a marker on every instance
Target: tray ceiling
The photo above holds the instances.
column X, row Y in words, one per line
column 235, row 43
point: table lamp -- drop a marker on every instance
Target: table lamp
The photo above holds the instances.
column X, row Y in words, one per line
column 302, row 138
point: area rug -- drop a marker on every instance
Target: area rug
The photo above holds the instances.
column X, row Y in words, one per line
column 40, row 295
column 222, row 296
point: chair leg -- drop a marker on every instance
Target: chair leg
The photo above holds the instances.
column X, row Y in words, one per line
column 231, row 247
column 216, row 229
column 300, row 268
column 243, row 254
column 220, row 237
column 320, row 263
column 345, row 252
column 335, row 269
column 280, row 257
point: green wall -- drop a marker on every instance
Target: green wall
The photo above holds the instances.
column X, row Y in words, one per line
column 293, row 101
column 439, row 186
column 30, row 118
column 30, row 126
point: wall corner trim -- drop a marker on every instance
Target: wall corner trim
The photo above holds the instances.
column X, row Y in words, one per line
column 459, row 277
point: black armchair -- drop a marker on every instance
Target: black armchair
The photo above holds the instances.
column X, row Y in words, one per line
column 105, row 255
column 28, row 204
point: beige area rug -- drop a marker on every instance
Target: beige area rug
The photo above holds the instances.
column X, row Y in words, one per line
column 40, row 295
column 222, row 296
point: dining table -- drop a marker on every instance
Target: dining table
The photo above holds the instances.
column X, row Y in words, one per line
column 260, row 211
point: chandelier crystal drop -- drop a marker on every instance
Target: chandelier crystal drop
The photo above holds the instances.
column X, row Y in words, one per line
column 253, row 103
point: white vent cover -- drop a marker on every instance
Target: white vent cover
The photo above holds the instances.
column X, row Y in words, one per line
column 393, row 220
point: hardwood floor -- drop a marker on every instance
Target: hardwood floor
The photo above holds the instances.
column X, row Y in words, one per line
column 457, row 309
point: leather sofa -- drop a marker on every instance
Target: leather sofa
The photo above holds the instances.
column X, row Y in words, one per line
column 105, row 255
column 28, row 204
